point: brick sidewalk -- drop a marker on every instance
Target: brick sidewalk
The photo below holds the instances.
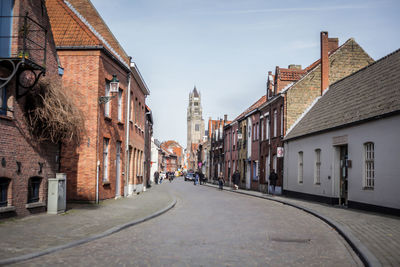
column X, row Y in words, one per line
column 37, row 233
column 379, row 233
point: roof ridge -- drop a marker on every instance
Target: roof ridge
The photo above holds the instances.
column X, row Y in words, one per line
column 96, row 33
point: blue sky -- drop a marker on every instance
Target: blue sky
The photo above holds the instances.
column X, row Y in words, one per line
column 226, row 48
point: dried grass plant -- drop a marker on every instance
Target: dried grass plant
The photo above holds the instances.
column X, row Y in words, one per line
column 52, row 115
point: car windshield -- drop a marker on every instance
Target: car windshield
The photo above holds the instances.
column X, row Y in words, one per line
column 190, row 174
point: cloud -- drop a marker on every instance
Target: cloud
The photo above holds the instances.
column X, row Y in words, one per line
column 296, row 9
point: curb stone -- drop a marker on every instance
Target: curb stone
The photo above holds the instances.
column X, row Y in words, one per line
column 108, row 232
column 359, row 248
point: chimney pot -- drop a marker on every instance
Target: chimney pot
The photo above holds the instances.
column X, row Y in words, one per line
column 225, row 117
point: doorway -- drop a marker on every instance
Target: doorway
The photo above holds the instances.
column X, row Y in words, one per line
column 343, row 175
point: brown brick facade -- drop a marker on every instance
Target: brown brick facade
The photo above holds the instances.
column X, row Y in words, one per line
column 22, row 157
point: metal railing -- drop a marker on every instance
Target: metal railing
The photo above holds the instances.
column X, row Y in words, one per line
column 23, row 38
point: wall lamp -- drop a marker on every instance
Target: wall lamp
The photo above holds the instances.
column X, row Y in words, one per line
column 114, row 87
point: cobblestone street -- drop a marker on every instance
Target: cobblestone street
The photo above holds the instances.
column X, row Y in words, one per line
column 212, row 228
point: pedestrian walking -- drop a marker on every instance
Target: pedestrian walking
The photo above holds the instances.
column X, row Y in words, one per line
column 196, row 178
column 236, row 179
column 221, row 181
column 272, row 181
column 156, row 176
column 201, row 175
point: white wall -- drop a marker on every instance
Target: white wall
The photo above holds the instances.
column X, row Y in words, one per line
column 384, row 133
column 154, row 160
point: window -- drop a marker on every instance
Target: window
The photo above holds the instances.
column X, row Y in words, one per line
column 4, row 182
column 105, row 159
column 281, row 120
column 196, row 103
column 369, row 165
column 6, row 11
column 262, row 129
column 300, row 167
column 131, row 108
column 33, row 189
column 120, row 105
column 317, row 167
column 275, row 122
column 107, row 105
column 3, row 101
column 257, row 131
column 255, row 178
column 197, row 127
column 267, row 127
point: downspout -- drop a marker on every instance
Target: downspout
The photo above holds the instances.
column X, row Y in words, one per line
column 128, row 102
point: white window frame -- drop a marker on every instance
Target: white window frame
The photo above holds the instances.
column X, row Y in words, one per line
column 275, row 122
column 107, row 104
column 120, row 105
column 106, row 148
column 300, row 167
column 267, row 131
column 369, row 165
column 317, row 167
column 281, row 120
column 262, row 121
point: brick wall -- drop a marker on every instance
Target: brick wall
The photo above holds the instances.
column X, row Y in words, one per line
column 85, row 77
column 346, row 60
column 16, row 143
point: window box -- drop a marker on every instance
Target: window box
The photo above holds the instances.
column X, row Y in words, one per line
column 107, row 118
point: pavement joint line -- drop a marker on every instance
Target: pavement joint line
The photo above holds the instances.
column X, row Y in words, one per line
column 108, row 232
column 359, row 248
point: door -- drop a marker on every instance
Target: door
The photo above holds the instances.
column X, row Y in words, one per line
column 118, row 168
column 343, row 175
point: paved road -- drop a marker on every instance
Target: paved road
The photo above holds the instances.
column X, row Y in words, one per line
column 208, row 227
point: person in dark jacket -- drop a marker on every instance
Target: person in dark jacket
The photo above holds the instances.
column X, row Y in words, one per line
column 236, row 179
column 272, row 181
column 221, row 181
column 156, row 176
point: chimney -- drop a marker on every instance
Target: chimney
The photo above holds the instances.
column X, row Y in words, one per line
column 294, row 67
column 324, row 61
column 225, row 118
column 333, row 44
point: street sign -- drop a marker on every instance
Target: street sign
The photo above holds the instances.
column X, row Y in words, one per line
column 279, row 152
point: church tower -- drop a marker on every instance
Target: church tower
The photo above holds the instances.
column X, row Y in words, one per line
column 195, row 122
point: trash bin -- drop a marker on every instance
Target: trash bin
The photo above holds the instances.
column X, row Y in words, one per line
column 57, row 194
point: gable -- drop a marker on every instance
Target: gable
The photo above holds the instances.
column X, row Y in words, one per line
column 347, row 59
column 372, row 92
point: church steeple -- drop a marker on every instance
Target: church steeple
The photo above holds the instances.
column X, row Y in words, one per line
column 195, row 93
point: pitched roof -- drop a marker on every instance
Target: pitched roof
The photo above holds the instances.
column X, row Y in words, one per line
column 256, row 105
column 369, row 93
column 67, row 28
column 77, row 23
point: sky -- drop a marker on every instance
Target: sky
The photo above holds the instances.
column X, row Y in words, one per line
column 226, row 47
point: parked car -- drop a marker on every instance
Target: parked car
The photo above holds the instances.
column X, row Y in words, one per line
column 189, row 176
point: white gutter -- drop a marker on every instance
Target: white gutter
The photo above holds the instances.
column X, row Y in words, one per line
column 128, row 104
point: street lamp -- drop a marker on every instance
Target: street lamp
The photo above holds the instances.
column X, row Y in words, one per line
column 114, row 87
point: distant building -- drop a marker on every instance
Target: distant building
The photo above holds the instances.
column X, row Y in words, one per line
column 195, row 124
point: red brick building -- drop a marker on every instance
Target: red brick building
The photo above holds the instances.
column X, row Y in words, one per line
column 26, row 163
column 114, row 122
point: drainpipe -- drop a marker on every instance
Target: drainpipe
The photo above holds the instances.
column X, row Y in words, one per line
column 97, row 181
column 128, row 102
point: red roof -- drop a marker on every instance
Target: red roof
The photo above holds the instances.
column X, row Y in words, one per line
column 256, row 105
